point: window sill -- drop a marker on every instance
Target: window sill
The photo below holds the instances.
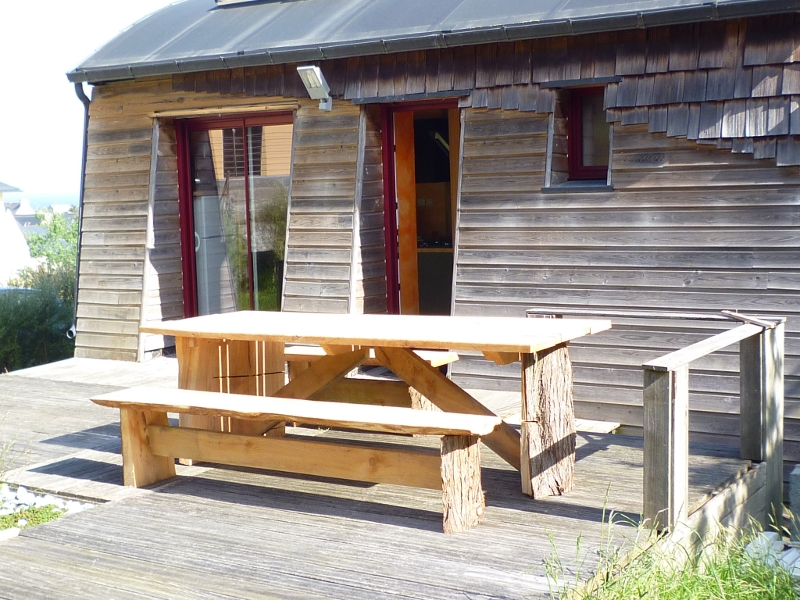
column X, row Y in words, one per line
column 585, row 186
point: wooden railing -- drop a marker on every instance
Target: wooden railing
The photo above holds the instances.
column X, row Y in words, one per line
column 666, row 416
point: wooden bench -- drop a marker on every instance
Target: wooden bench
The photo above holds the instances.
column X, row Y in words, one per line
column 150, row 445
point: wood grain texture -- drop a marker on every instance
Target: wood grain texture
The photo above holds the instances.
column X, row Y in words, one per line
column 563, row 252
column 400, row 467
column 252, row 514
column 449, row 397
column 666, row 447
column 462, row 493
column 140, row 465
column 548, row 423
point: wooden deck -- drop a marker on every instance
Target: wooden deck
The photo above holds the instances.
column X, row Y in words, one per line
column 234, row 533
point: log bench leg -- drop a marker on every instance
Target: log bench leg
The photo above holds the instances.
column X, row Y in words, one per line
column 548, row 423
column 462, row 493
column 139, row 465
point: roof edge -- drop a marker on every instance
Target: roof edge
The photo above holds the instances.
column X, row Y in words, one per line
column 710, row 11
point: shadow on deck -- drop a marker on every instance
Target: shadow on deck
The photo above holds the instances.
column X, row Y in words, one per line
column 214, row 532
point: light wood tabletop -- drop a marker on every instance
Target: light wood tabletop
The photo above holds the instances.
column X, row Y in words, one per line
column 484, row 334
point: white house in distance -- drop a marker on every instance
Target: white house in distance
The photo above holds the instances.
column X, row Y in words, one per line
column 5, row 188
column 13, row 247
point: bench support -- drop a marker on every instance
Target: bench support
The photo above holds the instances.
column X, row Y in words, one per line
column 548, row 423
column 149, row 445
column 462, row 494
column 140, row 466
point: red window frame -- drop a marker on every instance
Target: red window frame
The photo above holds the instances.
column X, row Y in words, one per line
column 390, row 191
column 577, row 170
column 185, row 205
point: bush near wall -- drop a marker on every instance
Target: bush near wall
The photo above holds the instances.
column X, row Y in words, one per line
column 35, row 317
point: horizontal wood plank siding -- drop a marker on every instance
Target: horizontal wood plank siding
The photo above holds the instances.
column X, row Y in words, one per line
column 319, row 237
column 122, row 281
column 114, row 223
column 681, row 245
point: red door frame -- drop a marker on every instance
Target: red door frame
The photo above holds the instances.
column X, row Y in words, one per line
column 185, row 205
column 390, row 190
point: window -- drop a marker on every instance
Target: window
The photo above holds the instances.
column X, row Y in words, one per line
column 234, row 195
column 588, row 135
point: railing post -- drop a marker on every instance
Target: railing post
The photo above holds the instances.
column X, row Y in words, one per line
column 666, row 446
column 761, row 411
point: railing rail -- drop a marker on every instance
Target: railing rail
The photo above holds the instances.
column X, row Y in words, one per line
column 666, row 416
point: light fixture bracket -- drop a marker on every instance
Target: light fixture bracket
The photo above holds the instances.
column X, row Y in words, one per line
column 316, row 86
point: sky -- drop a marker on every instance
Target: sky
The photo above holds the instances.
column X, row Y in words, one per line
column 41, row 118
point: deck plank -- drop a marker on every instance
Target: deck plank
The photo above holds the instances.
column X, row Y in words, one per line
column 223, row 533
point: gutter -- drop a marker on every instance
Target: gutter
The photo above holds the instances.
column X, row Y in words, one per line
column 72, row 331
column 709, row 11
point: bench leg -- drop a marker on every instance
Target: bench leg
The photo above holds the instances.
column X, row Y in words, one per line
column 139, row 465
column 462, row 492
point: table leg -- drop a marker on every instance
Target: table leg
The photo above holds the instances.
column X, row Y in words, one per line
column 548, row 423
column 234, row 367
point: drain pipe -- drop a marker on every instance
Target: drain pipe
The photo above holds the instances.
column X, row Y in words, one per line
column 72, row 331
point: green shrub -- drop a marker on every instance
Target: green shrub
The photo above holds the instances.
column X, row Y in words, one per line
column 34, row 320
column 721, row 571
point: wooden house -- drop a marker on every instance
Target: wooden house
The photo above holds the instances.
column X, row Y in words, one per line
column 477, row 158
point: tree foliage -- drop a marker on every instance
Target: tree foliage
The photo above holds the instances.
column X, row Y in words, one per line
column 35, row 318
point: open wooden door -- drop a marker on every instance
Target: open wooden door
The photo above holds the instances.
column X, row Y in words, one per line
column 425, row 175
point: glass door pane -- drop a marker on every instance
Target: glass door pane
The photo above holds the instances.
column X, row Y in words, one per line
column 220, row 226
column 269, row 161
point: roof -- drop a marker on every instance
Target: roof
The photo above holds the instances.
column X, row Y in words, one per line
column 199, row 35
column 4, row 187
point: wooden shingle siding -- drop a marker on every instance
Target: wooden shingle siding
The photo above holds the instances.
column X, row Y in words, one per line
column 319, row 239
column 726, row 81
column 687, row 228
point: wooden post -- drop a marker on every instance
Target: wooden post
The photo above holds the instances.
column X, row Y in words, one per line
column 548, row 423
column 139, row 465
column 462, row 493
column 666, row 446
column 761, row 411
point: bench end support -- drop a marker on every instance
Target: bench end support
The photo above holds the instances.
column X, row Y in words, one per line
column 140, row 466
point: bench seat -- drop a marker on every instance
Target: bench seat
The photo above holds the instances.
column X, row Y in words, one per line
column 150, row 445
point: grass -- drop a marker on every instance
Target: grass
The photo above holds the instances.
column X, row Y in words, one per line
column 36, row 515
column 722, row 571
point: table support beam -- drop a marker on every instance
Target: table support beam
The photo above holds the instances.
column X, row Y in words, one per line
column 445, row 394
column 321, row 374
column 548, row 423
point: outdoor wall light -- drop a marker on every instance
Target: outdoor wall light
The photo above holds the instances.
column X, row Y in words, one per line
column 316, row 85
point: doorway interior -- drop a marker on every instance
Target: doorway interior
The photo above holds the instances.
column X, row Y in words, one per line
column 421, row 161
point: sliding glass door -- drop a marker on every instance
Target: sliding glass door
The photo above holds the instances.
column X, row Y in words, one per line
column 235, row 191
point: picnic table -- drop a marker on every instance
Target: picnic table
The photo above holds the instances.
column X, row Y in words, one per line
column 243, row 352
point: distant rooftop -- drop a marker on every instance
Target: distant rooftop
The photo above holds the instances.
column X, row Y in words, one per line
column 199, row 35
column 4, row 187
